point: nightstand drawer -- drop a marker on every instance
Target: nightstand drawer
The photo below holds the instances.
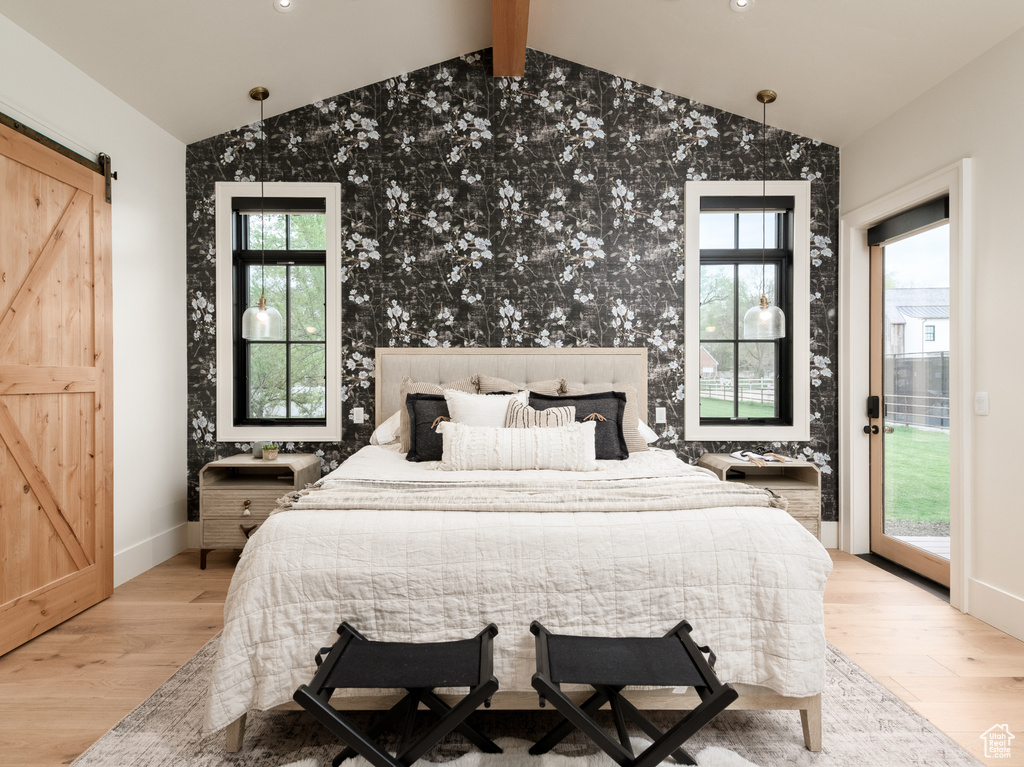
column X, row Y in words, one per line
column 231, row 504
column 229, row 534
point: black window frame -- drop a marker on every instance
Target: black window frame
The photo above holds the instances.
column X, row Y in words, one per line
column 781, row 258
column 242, row 259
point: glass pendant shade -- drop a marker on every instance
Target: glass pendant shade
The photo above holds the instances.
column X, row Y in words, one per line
column 764, row 322
column 262, row 323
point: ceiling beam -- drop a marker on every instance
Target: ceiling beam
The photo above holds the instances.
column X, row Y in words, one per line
column 509, row 22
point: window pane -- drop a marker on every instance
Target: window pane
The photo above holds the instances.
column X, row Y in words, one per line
column 270, row 226
column 275, row 280
column 717, row 299
column 756, row 380
column 309, row 382
column 308, row 231
column 750, row 286
column 308, row 303
column 717, row 231
column 717, row 390
column 266, row 380
column 750, row 229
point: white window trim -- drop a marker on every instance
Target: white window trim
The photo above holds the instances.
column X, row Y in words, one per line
column 227, row 431
column 800, row 191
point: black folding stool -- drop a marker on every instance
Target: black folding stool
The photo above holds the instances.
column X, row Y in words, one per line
column 355, row 661
column 608, row 664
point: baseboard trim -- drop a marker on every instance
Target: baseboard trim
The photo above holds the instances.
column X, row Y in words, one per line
column 829, row 535
column 996, row 607
column 147, row 554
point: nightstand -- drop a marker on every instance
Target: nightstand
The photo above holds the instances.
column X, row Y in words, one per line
column 237, row 494
column 799, row 482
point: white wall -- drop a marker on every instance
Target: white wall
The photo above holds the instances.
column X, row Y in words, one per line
column 48, row 93
column 976, row 113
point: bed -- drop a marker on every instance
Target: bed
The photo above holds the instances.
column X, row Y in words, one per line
column 409, row 553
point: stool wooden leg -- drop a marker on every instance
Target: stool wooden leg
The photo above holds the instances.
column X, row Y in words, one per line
column 471, row 733
column 810, row 719
column 561, row 732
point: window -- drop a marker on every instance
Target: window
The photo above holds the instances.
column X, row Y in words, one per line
column 285, row 390
column 746, row 389
column 929, row 332
column 282, row 382
column 745, row 381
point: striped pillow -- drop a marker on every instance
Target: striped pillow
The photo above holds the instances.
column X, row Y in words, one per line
column 520, row 416
column 491, row 385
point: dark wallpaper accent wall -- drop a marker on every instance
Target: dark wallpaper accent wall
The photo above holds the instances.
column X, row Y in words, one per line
column 541, row 211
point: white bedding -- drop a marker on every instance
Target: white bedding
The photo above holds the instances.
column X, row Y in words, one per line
column 750, row 580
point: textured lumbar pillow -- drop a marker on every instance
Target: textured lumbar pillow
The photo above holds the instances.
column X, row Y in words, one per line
column 470, row 448
column 520, row 416
column 481, row 409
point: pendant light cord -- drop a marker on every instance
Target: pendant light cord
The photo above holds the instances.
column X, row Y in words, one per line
column 764, row 191
column 263, row 211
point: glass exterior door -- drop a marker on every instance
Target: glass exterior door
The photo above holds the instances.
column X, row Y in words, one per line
column 910, row 432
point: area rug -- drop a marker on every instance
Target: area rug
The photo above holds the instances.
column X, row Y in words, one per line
column 864, row 724
column 515, row 754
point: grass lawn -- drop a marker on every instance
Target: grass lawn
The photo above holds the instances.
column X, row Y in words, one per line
column 720, row 408
column 917, row 475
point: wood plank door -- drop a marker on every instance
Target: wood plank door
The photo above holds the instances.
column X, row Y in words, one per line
column 56, row 443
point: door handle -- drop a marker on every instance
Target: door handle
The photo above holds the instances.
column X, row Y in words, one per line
column 872, row 429
column 889, row 429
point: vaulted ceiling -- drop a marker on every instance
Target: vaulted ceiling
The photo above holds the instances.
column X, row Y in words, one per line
column 839, row 66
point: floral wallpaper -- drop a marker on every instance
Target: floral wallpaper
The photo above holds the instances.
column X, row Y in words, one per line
column 541, row 211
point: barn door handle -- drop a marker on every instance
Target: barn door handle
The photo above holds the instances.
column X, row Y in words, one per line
column 247, row 531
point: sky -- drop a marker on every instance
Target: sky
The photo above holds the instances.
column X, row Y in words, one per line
column 919, row 261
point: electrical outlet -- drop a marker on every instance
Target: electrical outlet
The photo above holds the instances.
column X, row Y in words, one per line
column 357, row 415
column 660, row 416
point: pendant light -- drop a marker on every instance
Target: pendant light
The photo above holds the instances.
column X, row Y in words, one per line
column 262, row 322
column 765, row 322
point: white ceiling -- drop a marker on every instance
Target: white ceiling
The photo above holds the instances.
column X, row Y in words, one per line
column 840, row 66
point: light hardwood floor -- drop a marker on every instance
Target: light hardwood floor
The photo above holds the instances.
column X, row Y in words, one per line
column 66, row 688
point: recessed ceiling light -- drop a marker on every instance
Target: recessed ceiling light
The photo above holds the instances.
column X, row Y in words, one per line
column 741, row 6
column 284, row 6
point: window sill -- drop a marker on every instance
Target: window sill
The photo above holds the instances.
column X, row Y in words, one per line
column 329, row 433
column 795, row 433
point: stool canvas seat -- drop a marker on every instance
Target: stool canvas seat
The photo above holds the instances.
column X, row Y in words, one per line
column 609, row 664
column 357, row 662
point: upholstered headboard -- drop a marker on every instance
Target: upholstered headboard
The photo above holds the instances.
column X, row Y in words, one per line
column 596, row 369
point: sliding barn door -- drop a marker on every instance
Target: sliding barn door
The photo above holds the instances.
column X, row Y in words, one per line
column 56, row 479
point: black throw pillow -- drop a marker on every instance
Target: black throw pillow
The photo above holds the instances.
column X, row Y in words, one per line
column 606, row 408
column 425, row 444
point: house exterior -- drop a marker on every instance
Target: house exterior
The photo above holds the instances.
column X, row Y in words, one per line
column 916, row 320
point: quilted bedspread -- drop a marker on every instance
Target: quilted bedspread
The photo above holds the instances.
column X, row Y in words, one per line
column 749, row 579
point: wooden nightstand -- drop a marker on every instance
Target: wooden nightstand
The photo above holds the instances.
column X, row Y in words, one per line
column 799, row 482
column 237, row 494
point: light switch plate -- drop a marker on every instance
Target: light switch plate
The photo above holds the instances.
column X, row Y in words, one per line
column 981, row 403
column 357, row 415
column 659, row 415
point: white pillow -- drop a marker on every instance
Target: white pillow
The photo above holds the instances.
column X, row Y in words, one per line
column 388, row 431
column 474, row 448
column 481, row 409
column 649, row 434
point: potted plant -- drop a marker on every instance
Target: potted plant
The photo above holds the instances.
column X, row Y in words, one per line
column 270, row 452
